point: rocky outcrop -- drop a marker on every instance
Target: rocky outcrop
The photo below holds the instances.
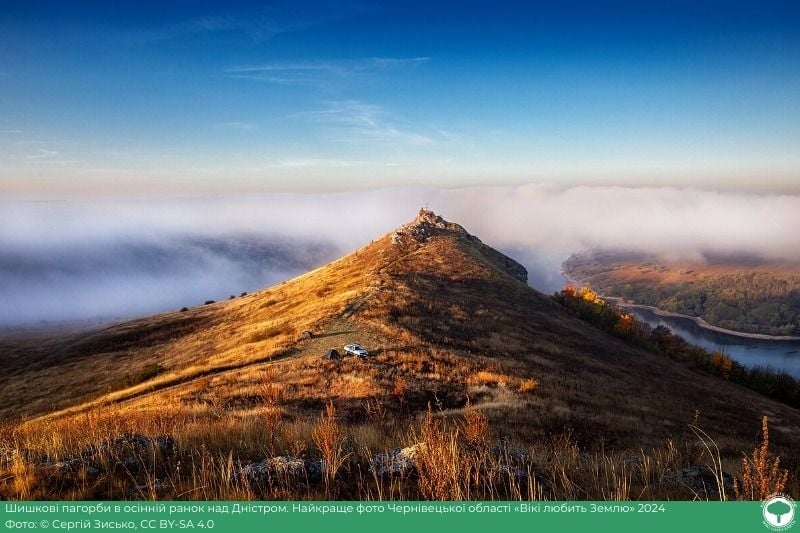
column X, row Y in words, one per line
column 284, row 466
column 397, row 462
column 131, row 452
column 701, row 480
column 428, row 224
column 422, row 228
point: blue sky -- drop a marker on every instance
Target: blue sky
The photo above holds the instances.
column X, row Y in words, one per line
column 212, row 97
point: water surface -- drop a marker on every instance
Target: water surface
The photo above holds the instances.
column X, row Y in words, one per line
column 778, row 354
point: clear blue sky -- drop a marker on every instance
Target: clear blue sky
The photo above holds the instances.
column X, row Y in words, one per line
column 187, row 97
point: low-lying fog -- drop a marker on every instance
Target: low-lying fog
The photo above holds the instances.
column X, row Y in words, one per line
column 112, row 258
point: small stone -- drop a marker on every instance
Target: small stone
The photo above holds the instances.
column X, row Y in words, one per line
column 397, row 462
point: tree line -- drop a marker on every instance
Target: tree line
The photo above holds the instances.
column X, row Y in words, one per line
column 587, row 305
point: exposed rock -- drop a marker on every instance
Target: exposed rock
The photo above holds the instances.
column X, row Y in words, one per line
column 316, row 469
column 699, row 479
column 503, row 450
column 511, row 267
column 423, row 227
column 510, row 471
column 428, row 224
column 157, row 486
column 282, row 466
column 129, row 450
column 256, row 471
column 71, row 467
column 165, row 444
column 287, row 465
column 128, row 443
column 397, row 462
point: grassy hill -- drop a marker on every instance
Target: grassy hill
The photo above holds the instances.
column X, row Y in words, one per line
column 492, row 388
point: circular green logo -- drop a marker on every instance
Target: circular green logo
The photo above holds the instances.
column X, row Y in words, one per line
column 778, row 512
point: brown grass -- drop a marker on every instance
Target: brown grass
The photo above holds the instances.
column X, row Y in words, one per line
column 527, row 385
column 762, row 475
column 328, row 437
column 456, row 459
column 484, row 377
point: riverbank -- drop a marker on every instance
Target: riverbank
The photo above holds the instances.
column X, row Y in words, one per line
column 697, row 320
column 700, row 322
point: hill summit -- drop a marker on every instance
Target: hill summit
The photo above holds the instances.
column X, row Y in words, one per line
column 428, row 224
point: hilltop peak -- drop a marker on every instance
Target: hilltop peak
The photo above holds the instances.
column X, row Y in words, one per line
column 428, row 226
column 426, row 217
column 424, row 226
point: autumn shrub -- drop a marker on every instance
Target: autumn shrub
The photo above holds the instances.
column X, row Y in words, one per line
column 476, row 426
column 527, row 385
column 762, row 475
column 328, row 437
column 438, row 460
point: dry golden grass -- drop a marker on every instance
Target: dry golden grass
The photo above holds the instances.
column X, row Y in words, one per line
column 484, row 377
column 457, row 457
column 188, row 345
column 328, row 437
column 527, row 385
column 762, row 475
column 476, row 426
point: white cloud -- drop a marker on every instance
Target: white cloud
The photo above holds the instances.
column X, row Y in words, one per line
column 356, row 122
column 558, row 220
column 238, row 126
column 317, row 162
column 43, row 154
column 287, row 73
column 256, row 24
column 678, row 222
column 321, row 72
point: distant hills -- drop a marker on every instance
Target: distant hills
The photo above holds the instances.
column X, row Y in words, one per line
column 745, row 294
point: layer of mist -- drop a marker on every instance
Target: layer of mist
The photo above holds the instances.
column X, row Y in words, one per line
column 115, row 279
column 74, row 259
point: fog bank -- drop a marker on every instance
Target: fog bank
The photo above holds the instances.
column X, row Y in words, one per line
column 67, row 260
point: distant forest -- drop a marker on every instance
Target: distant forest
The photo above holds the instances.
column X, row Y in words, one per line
column 750, row 299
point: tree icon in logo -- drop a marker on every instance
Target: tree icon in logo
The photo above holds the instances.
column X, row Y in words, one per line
column 778, row 512
column 778, row 508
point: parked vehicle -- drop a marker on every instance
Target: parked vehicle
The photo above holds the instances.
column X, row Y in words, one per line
column 355, row 349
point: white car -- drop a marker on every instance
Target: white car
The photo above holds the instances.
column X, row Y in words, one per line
column 355, row 349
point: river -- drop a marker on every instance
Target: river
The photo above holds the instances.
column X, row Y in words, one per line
column 777, row 354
